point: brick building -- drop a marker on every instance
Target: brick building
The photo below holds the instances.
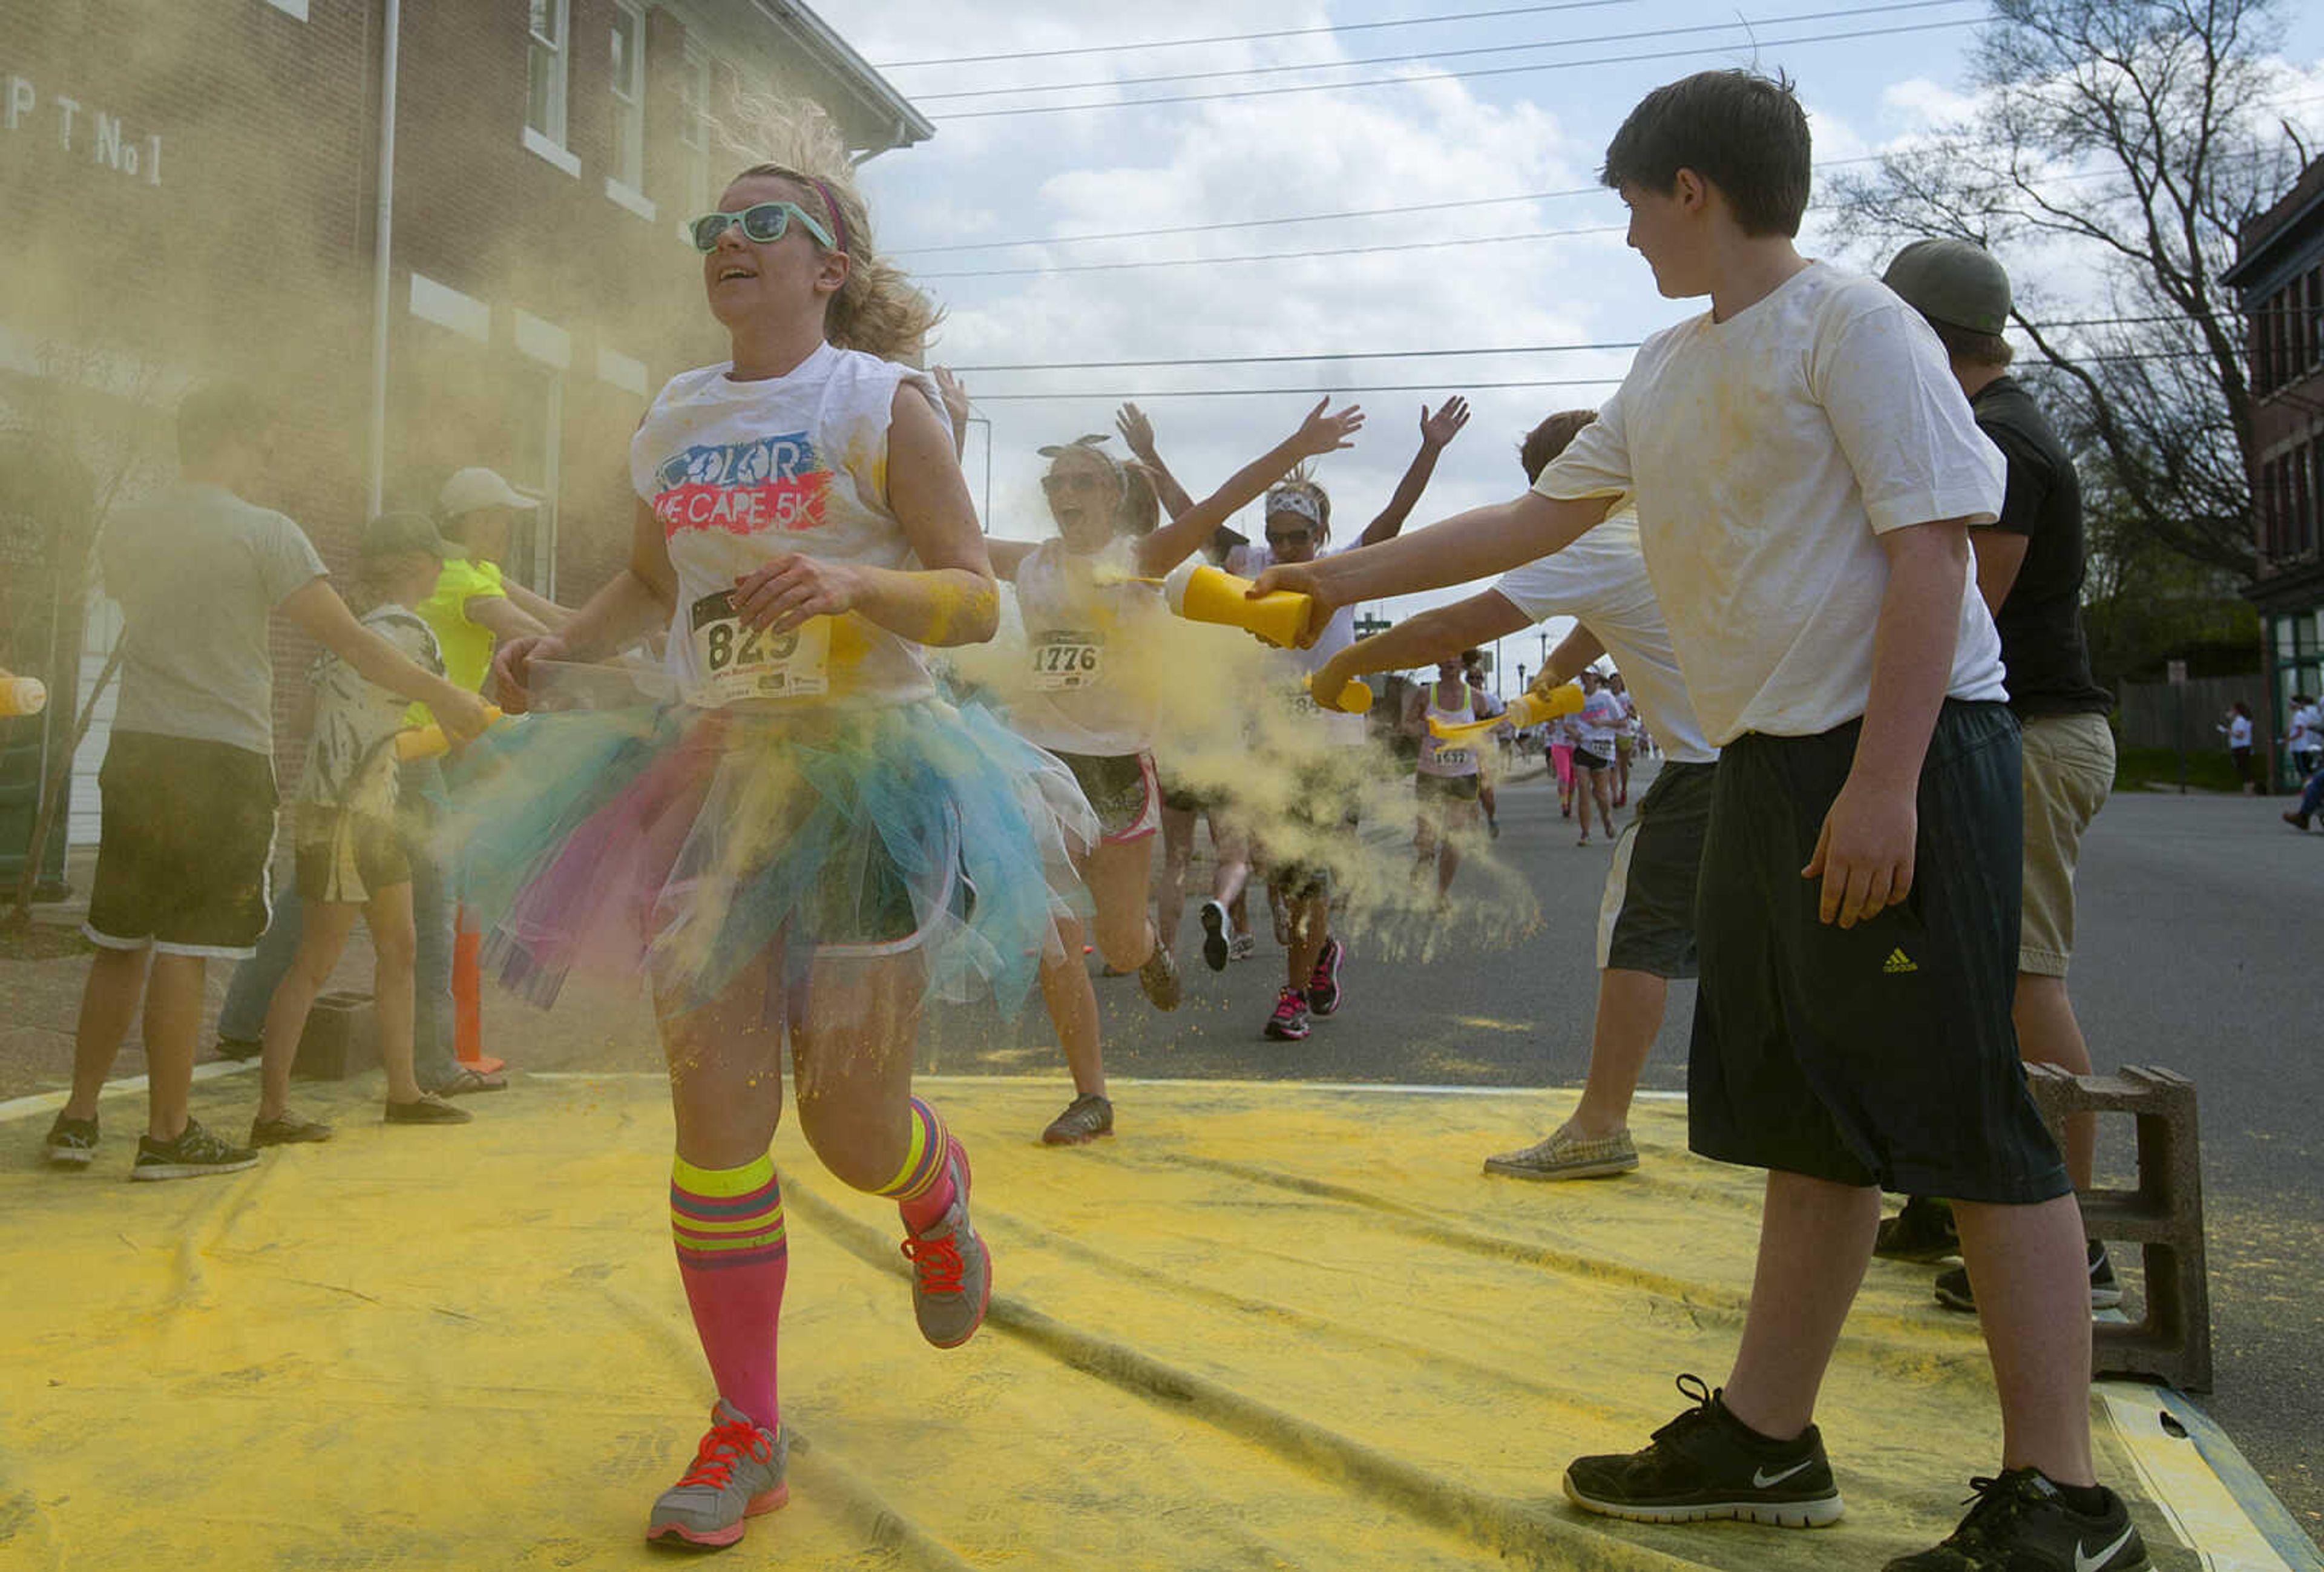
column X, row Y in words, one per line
column 197, row 191
column 2279, row 271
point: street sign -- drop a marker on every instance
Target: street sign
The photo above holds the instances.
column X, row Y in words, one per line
column 2178, row 673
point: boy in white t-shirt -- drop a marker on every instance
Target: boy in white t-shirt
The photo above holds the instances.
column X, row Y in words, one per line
column 1805, row 472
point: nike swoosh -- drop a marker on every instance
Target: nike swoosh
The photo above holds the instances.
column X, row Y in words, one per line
column 2083, row 1563
column 1761, row 1479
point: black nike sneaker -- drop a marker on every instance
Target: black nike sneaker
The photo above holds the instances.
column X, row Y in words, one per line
column 2021, row 1524
column 1707, row 1463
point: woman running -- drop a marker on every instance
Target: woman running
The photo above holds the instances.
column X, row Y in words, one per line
column 809, row 843
column 1085, row 616
column 1445, row 779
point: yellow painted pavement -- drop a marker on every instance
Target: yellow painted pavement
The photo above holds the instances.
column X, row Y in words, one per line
column 1266, row 1327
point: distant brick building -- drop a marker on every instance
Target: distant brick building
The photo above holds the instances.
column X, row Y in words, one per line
column 2279, row 271
column 195, row 191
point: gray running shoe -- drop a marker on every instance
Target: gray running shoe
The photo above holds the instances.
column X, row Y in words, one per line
column 1085, row 1118
column 1241, row 948
column 1560, row 1156
column 195, row 1152
column 71, row 1143
column 737, row 1474
column 952, row 1270
column 1157, row 979
column 1218, row 936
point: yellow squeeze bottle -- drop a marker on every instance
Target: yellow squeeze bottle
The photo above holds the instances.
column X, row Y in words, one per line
column 428, row 741
column 21, row 695
column 1530, row 708
column 1203, row 594
column 1354, row 698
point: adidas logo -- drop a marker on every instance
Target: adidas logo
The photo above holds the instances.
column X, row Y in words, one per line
column 1898, row 961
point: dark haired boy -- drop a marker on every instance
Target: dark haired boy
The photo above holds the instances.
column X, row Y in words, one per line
column 1805, row 472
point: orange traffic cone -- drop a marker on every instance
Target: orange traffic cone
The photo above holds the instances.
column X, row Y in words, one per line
column 468, row 998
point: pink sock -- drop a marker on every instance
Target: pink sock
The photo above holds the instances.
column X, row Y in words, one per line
column 732, row 1257
column 923, row 1188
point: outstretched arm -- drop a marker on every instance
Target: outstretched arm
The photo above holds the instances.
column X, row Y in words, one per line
column 1417, row 641
column 1468, row 546
column 1577, row 650
column 1436, row 433
column 1318, row 434
column 1139, row 432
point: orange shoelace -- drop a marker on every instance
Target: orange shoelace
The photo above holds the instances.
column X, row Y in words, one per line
column 714, row 1459
column 938, row 1263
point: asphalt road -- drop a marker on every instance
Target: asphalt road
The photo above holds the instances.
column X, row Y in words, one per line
column 2195, row 953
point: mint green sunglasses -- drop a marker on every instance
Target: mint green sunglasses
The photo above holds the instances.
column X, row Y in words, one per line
column 764, row 222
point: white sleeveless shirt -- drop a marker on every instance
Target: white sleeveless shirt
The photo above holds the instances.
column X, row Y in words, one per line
column 1072, row 697
column 1444, row 760
column 741, row 472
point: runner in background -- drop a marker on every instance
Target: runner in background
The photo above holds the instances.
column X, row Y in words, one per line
column 1085, row 616
column 1447, row 778
column 1298, row 517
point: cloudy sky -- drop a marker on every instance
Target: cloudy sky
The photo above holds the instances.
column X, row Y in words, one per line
column 1504, row 101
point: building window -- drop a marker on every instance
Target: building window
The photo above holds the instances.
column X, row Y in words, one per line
column 536, row 417
column 546, row 59
column 627, row 75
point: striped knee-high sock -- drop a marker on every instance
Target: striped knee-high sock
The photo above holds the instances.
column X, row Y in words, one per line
column 923, row 1187
column 732, row 1257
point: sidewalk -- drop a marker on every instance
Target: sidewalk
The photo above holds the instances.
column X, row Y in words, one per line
column 1266, row 1327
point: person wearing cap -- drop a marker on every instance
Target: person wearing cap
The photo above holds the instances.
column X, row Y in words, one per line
column 352, row 855
column 2029, row 569
column 189, row 776
column 472, row 607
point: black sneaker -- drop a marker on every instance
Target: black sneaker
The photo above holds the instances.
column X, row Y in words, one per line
column 195, row 1152
column 1954, row 1293
column 2021, row 1524
column 1705, row 1464
column 71, row 1143
column 1085, row 1118
column 237, row 1048
column 1922, row 1231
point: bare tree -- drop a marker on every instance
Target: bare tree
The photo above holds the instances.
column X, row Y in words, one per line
column 2131, row 137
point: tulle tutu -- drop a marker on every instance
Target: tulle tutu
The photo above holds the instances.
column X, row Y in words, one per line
column 680, row 843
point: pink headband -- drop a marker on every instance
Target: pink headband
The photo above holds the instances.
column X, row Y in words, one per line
column 838, row 224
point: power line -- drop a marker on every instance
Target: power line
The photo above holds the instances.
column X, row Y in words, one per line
column 1046, row 54
column 1430, row 353
column 1451, row 76
column 1745, row 22
column 1271, row 255
column 1252, row 392
column 1148, row 394
column 1257, row 223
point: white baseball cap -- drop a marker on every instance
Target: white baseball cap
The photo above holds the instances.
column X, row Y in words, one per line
column 478, row 488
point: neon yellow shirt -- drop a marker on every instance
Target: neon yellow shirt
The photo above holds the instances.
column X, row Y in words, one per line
column 467, row 646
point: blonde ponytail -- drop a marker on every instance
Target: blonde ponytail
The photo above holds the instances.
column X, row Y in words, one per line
column 879, row 309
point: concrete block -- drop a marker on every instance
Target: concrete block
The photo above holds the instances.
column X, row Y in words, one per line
column 2163, row 1217
column 341, row 1039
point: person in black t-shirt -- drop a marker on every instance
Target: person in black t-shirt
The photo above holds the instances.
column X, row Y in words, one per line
column 2029, row 567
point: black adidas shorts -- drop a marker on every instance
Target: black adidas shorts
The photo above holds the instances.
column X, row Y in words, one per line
column 1881, row 1054
column 184, row 832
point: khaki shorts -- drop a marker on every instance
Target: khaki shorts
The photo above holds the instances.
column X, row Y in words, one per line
column 2068, row 771
column 345, row 856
